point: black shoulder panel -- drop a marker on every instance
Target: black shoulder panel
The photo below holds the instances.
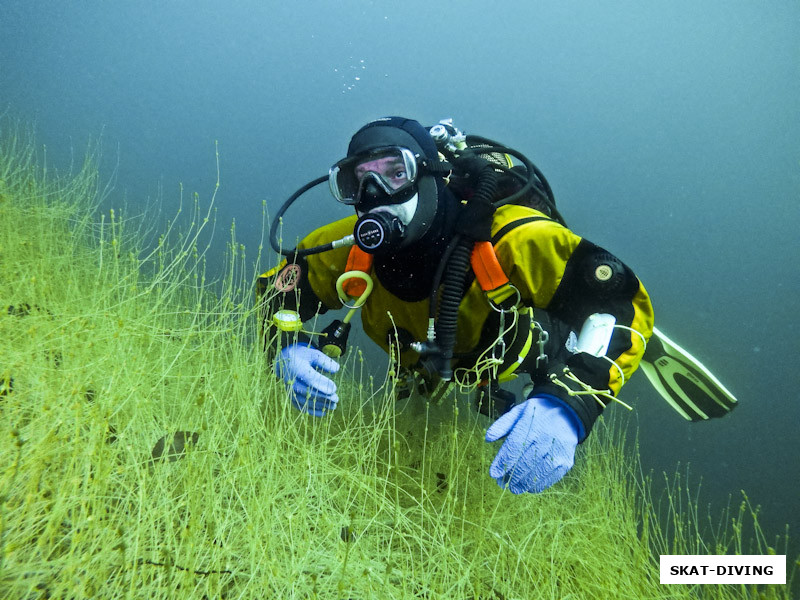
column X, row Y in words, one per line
column 594, row 281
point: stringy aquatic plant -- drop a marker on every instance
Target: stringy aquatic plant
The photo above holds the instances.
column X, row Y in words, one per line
column 146, row 450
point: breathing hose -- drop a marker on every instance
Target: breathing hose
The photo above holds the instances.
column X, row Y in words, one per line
column 273, row 230
column 533, row 174
column 455, row 275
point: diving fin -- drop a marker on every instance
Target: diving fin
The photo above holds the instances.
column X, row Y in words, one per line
column 683, row 381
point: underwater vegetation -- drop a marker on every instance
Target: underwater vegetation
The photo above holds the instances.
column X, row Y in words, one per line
column 146, row 450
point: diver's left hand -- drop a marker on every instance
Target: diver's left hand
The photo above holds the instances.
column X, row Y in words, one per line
column 542, row 434
column 299, row 365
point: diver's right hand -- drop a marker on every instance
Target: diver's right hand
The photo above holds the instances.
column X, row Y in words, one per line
column 311, row 391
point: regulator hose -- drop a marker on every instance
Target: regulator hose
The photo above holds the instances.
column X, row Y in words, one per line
column 534, row 175
column 455, row 275
column 447, row 322
column 276, row 223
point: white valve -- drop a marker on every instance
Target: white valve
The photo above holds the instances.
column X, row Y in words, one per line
column 596, row 334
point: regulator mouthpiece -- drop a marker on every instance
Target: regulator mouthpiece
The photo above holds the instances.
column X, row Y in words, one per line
column 379, row 232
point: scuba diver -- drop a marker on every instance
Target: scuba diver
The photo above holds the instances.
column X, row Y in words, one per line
column 464, row 272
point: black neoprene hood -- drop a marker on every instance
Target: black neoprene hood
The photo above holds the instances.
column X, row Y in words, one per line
column 393, row 131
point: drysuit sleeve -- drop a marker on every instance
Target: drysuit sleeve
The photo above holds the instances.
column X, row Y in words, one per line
column 285, row 287
column 306, row 285
column 571, row 278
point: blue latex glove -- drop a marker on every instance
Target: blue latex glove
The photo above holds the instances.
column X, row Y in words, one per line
column 311, row 391
column 540, row 447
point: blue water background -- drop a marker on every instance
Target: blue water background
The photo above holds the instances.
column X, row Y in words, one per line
column 669, row 130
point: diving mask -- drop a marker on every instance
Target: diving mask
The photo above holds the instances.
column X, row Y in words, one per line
column 382, row 176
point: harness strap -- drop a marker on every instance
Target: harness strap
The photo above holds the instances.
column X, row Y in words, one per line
column 491, row 277
column 487, row 268
column 514, row 224
column 357, row 260
column 504, row 296
column 488, row 271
